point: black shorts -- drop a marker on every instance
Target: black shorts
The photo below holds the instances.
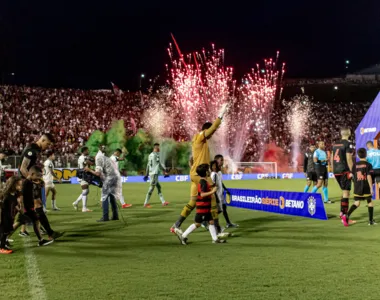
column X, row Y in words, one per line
column 199, row 218
column 367, row 198
column 31, row 214
column 312, row 176
column 22, row 219
column 322, row 173
column 343, row 181
column 376, row 175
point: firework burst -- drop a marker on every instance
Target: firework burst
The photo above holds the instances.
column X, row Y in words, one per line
column 201, row 84
column 299, row 114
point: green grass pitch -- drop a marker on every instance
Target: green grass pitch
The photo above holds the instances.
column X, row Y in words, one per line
column 270, row 257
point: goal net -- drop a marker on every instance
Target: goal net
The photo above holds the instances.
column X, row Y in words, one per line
column 266, row 169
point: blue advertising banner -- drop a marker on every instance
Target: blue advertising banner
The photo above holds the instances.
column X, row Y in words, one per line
column 186, row 178
column 288, row 203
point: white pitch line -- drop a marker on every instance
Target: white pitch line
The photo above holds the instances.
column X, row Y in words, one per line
column 36, row 286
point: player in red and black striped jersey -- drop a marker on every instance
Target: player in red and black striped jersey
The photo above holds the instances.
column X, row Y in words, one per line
column 342, row 162
column 362, row 174
column 203, row 206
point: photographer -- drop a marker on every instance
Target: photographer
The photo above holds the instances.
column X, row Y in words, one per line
column 110, row 176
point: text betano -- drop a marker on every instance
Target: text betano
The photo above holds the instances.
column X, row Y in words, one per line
column 285, row 203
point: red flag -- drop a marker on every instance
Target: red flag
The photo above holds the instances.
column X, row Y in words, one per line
column 116, row 90
column 134, row 127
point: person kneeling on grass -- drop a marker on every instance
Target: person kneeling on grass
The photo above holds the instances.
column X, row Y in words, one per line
column 362, row 173
column 203, row 206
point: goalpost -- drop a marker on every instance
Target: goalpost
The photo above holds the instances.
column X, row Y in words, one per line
column 267, row 168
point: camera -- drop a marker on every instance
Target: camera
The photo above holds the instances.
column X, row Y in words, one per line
column 90, row 178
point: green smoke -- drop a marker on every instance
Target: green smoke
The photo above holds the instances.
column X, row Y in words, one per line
column 138, row 148
column 96, row 139
column 115, row 137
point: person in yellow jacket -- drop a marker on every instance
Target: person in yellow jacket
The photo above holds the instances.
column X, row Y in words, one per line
column 201, row 155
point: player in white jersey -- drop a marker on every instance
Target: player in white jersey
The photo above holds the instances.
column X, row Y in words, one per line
column 116, row 157
column 84, row 185
column 49, row 177
column 220, row 160
column 153, row 169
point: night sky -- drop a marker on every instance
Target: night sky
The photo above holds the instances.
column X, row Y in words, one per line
column 87, row 44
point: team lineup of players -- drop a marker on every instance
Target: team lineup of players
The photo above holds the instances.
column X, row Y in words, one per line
column 362, row 173
column 25, row 194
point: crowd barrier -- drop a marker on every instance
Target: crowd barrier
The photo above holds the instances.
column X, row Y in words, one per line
column 288, row 203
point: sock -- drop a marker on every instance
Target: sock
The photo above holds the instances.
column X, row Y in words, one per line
column 122, row 200
column 179, row 221
column 217, row 226
column 212, row 230
column 147, row 198
column 189, row 230
column 53, row 203
column 84, row 202
column 225, row 214
column 306, row 189
column 325, row 193
column 44, row 221
column 79, row 198
column 3, row 240
column 344, row 205
column 161, row 197
column 370, row 213
column 352, row 209
column 314, row 190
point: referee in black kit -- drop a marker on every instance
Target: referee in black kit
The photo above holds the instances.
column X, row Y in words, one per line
column 32, row 186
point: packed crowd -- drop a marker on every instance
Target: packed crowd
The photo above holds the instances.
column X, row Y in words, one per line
column 323, row 123
column 72, row 115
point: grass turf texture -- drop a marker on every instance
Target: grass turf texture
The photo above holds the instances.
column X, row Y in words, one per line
column 270, row 257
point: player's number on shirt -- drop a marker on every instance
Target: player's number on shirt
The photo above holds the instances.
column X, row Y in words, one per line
column 360, row 176
column 336, row 156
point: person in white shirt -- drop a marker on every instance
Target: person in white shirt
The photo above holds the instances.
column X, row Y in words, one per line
column 84, row 185
column 220, row 193
column 49, row 177
column 116, row 157
column 153, row 169
column 110, row 176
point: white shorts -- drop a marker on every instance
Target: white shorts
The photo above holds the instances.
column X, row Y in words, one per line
column 49, row 185
column 82, row 182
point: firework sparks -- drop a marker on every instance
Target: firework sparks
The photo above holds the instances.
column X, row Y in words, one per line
column 298, row 117
column 201, row 84
column 198, row 85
